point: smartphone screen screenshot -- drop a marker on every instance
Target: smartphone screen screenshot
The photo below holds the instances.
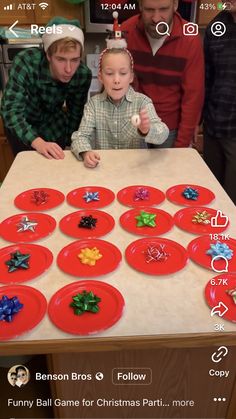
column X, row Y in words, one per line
column 117, row 209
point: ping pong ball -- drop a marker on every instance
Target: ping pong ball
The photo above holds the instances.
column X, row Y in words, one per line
column 135, row 120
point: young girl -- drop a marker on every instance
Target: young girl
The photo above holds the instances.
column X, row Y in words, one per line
column 106, row 123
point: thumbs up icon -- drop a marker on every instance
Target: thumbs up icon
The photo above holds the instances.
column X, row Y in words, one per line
column 220, row 220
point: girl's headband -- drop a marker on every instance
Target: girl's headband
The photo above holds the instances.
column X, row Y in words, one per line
column 106, row 50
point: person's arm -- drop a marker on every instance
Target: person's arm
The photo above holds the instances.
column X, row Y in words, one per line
column 192, row 94
column 81, row 139
column 209, row 70
column 14, row 100
column 152, row 128
column 76, row 101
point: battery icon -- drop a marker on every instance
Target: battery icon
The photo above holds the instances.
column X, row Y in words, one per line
column 224, row 6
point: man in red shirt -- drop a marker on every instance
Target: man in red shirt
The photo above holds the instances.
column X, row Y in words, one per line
column 169, row 66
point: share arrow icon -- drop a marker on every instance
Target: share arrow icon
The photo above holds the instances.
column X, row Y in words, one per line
column 220, row 309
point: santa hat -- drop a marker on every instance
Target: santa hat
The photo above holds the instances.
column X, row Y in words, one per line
column 116, row 36
column 61, row 28
column 115, row 40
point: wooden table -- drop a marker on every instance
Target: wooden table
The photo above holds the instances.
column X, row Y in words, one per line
column 174, row 313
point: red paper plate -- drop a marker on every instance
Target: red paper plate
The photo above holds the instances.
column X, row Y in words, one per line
column 126, row 196
column 197, row 251
column 136, row 258
column 215, row 294
column 69, row 262
column 62, row 315
column 164, row 222
column 69, row 224
column 174, row 194
column 183, row 219
column 40, row 260
column 75, row 197
column 35, row 306
column 23, row 200
column 9, row 227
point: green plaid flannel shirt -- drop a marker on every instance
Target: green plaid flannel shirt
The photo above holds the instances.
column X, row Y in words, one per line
column 108, row 126
column 32, row 103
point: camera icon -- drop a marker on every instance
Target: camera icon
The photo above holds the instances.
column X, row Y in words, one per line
column 190, row 29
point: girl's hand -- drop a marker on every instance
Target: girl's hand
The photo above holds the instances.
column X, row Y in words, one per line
column 144, row 125
column 91, row 159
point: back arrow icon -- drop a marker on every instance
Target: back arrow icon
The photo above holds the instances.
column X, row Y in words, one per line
column 220, row 309
column 11, row 29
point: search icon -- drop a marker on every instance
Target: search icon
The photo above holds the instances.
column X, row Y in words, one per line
column 164, row 31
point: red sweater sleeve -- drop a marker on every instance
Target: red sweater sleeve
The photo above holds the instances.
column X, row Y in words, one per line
column 192, row 94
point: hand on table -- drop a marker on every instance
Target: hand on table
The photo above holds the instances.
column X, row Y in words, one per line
column 144, row 125
column 49, row 150
column 91, row 158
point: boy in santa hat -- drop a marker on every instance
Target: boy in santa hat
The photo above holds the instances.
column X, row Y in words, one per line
column 47, row 88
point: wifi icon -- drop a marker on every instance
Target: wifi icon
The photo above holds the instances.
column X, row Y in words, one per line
column 43, row 5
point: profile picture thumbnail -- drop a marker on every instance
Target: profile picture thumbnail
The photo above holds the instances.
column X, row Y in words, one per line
column 18, row 375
